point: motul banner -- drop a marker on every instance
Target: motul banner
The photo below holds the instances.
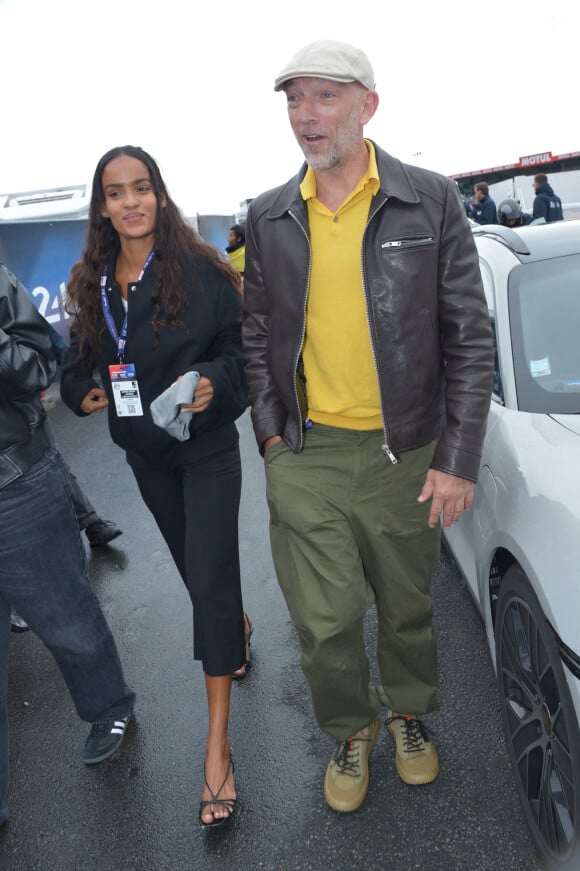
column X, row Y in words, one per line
column 536, row 160
column 527, row 163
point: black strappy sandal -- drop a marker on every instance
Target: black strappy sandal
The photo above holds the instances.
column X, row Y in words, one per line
column 228, row 803
column 242, row 671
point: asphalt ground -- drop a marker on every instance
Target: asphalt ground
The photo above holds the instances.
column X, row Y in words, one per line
column 139, row 810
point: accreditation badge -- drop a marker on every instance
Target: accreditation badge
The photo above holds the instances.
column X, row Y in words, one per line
column 126, row 390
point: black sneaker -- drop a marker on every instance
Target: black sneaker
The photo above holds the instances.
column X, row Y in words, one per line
column 17, row 624
column 102, row 532
column 105, row 738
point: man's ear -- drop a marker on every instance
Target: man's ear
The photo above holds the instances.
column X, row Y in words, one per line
column 370, row 105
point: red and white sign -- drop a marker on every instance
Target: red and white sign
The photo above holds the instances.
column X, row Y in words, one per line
column 535, row 159
column 528, row 162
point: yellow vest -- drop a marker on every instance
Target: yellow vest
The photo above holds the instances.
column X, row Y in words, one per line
column 237, row 258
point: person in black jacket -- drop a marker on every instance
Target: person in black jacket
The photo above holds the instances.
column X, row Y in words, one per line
column 482, row 210
column 546, row 204
column 43, row 567
column 153, row 303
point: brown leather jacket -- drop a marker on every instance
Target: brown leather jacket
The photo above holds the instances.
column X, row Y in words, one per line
column 427, row 314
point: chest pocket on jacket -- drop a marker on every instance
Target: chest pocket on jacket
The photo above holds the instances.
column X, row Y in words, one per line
column 408, row 243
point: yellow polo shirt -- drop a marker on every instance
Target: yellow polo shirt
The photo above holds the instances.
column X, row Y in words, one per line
column 341, row 378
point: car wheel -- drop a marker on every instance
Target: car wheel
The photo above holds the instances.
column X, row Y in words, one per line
column 540, row 723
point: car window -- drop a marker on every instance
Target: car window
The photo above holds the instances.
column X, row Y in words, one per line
column 544, row 305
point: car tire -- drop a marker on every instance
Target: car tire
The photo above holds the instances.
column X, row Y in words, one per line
column 540, row 724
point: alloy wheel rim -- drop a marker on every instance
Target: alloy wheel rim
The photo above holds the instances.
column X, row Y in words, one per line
column 536, row 728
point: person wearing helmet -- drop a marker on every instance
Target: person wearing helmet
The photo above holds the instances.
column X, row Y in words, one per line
column 509, row 213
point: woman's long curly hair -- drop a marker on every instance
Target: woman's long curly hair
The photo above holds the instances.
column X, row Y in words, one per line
column 177, row 246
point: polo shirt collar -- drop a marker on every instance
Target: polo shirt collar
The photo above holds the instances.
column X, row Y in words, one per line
column 308, row 189
column 395, row 182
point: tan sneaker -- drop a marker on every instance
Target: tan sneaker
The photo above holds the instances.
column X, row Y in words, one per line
column 347, row 776
column 416, row 756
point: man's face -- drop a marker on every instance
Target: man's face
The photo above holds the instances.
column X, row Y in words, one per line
column 232, row 238
column 327, row 119
column 479, row 195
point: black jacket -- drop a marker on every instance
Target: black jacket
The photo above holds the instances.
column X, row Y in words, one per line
column 483, row 211
column 208, row 341
column 430, row 330
column 27, row 367
column 547, row 205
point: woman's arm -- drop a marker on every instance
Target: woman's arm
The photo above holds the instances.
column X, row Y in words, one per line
column 77, row 384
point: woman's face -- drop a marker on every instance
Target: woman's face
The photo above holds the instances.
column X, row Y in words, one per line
column 130, row 201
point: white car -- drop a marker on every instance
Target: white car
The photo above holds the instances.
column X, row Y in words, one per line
column 519, row 546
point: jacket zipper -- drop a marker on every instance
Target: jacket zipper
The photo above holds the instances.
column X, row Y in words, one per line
column 297, row 220
column 408, row 243
column 387, row 452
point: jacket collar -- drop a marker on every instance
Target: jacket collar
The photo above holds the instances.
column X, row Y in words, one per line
column 394, row 177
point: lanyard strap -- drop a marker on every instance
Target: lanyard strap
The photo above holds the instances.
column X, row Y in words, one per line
column 120, row 339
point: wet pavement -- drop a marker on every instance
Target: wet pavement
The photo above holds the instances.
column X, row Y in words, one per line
column 139, row 810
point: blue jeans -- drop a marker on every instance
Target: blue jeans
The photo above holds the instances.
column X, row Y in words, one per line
column 44, row 576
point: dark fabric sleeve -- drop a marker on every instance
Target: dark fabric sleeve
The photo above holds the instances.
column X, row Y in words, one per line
column 467, row 344
column 268, row 411
column 223, row 364
column 540, row 208
column 489, row 213
column 27, row 359
column 76, row 376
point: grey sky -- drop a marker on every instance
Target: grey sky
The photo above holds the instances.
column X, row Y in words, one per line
column 462, row 86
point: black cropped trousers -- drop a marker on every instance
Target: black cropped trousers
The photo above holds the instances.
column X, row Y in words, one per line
column 196, row 508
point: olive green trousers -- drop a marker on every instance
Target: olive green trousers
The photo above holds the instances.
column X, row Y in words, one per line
column 346, row 530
